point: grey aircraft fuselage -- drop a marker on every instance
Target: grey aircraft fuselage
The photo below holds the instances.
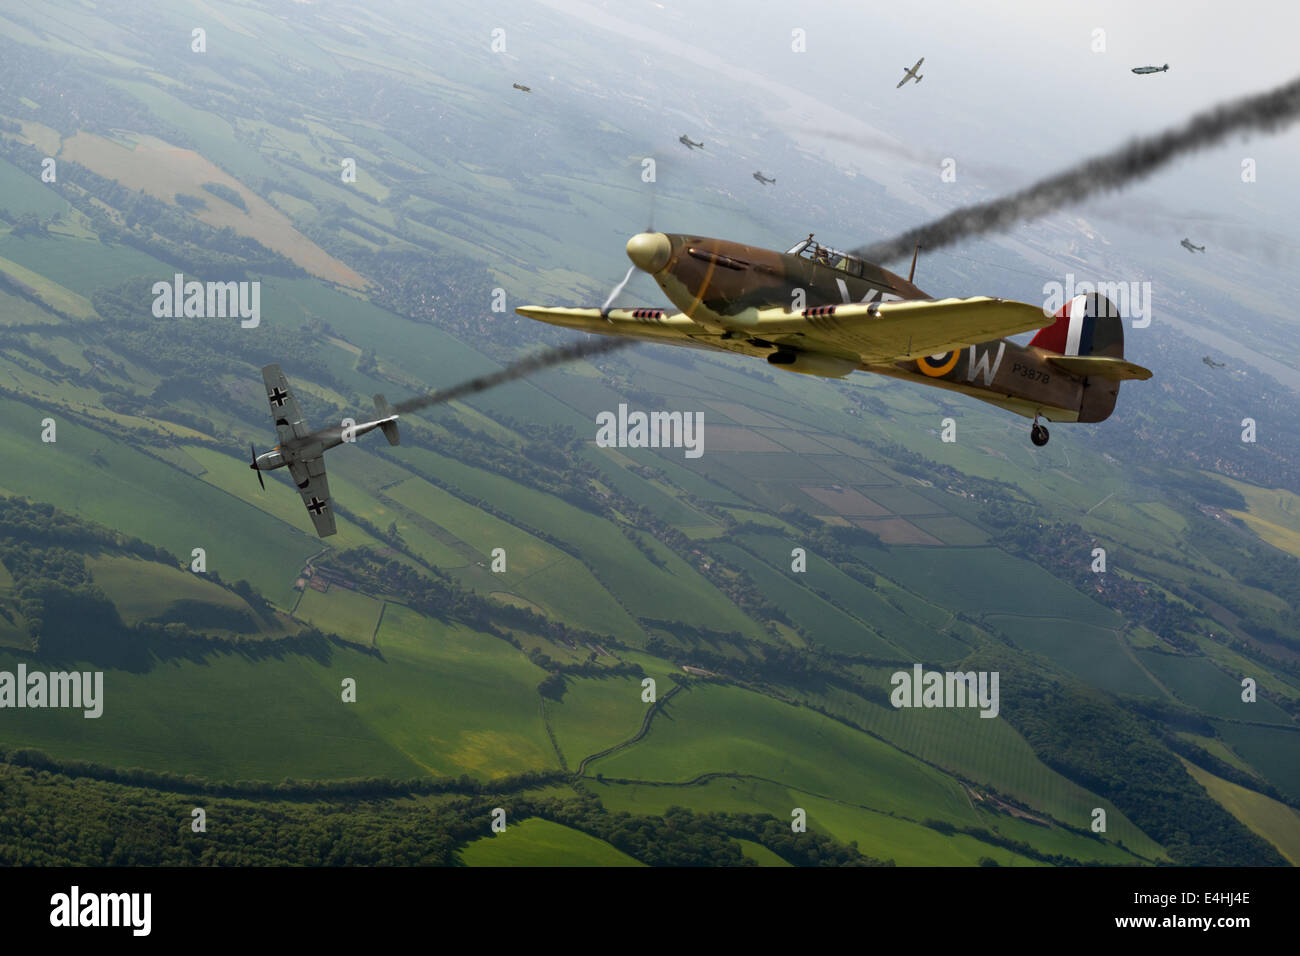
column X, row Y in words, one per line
column 313, row 445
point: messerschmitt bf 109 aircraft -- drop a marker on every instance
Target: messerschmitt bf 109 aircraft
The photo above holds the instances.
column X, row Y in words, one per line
column 763, row 179
column 911, row 74
column 1191, row 246
column 820, row 312
column 302, row 450
column 688, row 142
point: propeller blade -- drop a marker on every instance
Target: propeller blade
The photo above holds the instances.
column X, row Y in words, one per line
column 253, row 464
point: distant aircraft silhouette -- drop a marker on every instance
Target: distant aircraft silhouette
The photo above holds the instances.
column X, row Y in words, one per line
column 911, row 74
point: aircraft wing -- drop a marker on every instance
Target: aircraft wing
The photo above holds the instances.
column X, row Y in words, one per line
column 885, row 332
column 649, row 325
column 869, row 333
column 309, row 476
column 289, row 422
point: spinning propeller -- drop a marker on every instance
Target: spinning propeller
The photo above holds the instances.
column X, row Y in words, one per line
column 253, row 465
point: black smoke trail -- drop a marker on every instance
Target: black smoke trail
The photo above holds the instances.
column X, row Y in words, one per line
column 526, row 366
column 1266, row 112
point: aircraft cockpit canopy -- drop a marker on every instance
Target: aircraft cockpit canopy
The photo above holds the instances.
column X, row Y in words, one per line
column 843, row 261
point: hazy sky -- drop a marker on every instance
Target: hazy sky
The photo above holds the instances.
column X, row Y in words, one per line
column 1012, row 90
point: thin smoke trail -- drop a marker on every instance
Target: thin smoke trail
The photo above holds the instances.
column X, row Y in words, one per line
column 526, row 366
column 1137, row 159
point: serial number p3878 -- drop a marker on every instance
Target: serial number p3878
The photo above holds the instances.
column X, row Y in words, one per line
column 1027, row 371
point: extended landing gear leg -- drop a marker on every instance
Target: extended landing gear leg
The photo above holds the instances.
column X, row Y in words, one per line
column 1039, row 434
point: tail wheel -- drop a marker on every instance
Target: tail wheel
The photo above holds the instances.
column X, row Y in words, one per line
column 1039, row 435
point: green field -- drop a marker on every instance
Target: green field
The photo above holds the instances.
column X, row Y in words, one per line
column 583, row 600
column 878, row 835
column 139, row 495
column 915, row 629
column 440, row 700
column 349, row 614
column 223, row 716
column 1275, row 822
column 986, row 751
column 456, row 701
column 22, row 193
column 1005, row 584
column 596, row 713
column 81, row 267
column 1274, row 752
column 1095, row 654
column 536, row 842
column 716, row 728
column 824, row 623
column 1273, row 514
column 622, row 569
column 145, row 589
column 1200, row 684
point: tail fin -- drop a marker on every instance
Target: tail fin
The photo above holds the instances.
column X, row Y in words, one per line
column 389, row 428
column 1089, row 324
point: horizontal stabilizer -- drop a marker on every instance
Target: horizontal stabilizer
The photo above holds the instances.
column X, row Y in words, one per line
column 1101, row 366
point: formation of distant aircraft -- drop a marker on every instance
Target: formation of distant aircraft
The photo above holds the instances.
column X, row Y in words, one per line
column 1151, row 69
column 911, row 74
column 691, row 144
column 854, row 315
column 302, row 450
column 1190, row 247
column 521, row 87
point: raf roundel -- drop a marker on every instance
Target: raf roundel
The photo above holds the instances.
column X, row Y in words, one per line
column 937, row 365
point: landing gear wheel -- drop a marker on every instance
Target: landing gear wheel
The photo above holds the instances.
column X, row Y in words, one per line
column 1039, row 435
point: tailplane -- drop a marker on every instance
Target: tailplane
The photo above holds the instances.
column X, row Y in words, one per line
column 1089, row 335
column 389, row 427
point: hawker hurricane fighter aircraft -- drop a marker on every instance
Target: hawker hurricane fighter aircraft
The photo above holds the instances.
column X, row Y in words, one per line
column 911, row 74
column 302, row 450
column 820, row 312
